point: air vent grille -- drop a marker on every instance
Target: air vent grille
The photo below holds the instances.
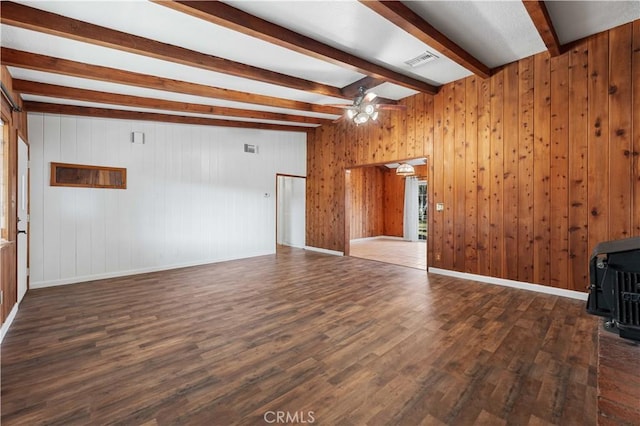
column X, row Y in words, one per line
column 250, row 149
column 628, row 298
column 421, row 59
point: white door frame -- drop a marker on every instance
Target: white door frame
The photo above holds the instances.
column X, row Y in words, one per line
column 22, row 237
column 279, row 214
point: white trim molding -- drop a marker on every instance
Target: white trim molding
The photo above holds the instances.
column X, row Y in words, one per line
column 96, row 277
column 7, row 323
column 511, row 283
column 325, row 251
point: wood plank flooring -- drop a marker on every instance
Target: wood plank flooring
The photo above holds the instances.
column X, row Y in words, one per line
column 618, row 380
column 353, row 341
column 391, row 250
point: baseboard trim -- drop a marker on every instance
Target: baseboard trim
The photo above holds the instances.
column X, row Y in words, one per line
column 118, row 274
column 7, row 323
column 325, row 251
column 511, row 283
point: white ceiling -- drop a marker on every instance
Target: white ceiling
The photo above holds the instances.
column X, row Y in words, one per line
column 353, row 28
column 574, row 20
column 495, row 32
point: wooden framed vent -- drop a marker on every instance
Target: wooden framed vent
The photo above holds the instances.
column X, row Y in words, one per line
column 83, row 176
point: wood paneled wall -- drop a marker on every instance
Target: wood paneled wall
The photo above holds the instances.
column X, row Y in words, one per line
column 393, row 205
column 534, row 165
column 367, row 202
column 8, row 277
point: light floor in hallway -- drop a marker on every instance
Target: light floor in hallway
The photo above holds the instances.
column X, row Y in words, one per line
column 391, row 250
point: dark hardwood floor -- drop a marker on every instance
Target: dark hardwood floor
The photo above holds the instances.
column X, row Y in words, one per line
column 333, row 340
column 618, row 380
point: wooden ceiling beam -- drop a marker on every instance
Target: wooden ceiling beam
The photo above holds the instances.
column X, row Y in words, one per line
column 45, row 107
column 415, row 25
column 227, row 16
column 542, row 21
column 72, row 93
column 34, row 61
column 353, row 89
column 21, row 16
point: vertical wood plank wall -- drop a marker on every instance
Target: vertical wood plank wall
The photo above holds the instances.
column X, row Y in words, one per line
column 535, row 165
column 393, row 204
column 367, row 202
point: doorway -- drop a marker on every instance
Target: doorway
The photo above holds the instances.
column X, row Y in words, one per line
column 23, row 219
column 423, row 210
column 386, row 214
column 290, row 210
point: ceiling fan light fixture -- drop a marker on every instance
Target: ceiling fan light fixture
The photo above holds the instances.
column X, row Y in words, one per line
column 363, row 109
column 405, row 169
column 369, row 109
column 361, row 118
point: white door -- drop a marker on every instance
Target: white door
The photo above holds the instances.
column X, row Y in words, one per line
column 291, row 211
column 23, row 218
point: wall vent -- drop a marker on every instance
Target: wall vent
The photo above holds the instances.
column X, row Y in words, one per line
column 137, row 138
column 421, row 59
column 251, row 149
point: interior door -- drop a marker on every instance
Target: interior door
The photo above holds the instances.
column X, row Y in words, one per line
column 23, row 217
column 291, row 211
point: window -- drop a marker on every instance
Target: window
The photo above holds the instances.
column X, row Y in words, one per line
column 81, row 175
column 422, row 210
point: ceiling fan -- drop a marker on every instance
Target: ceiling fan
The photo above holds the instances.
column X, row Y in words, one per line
column 365, row 107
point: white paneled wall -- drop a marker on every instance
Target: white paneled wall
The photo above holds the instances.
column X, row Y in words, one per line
column 193, row 196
